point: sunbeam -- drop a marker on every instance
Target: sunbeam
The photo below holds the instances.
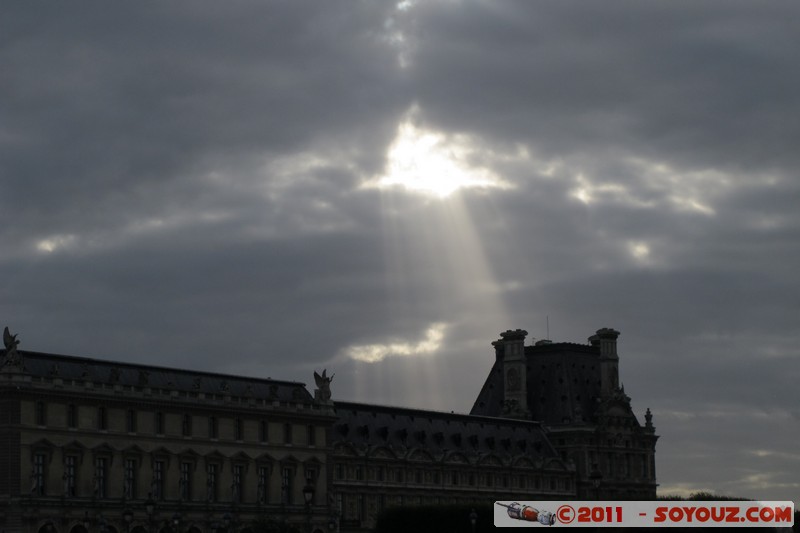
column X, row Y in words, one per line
column 438, row 277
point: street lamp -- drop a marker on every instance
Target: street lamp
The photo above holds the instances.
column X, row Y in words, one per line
column 127, row 516
column 150, row 504
column 176, row 521
column 48, row 526
column 308, row 496
column 103, row 524
column 473, row 517
column 226, row 521
column 87, row 522
column 150, row 508
column 597, row 477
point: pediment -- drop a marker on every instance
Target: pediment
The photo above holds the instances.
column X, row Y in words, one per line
column 103, row 448
column 491, row 460
column 345, row 449
column 214, row 455
column 161, row 451
column 42, row 443
column 265, row 458
column 241, row 457
column 523, row 462
column 382, row 453
column 289, row 460
column 133, row 450
column 457, row 458
column 420, row 455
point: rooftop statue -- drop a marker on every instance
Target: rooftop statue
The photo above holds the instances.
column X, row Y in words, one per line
column 12, row 357
column 323, row 392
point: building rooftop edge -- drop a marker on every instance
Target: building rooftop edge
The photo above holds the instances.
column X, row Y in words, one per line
column 426, row 412
column 111, row 362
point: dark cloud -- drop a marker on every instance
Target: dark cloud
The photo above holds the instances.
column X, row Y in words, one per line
column 184, row 185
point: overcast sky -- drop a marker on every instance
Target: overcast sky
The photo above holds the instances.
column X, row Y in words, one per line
column 380, row 188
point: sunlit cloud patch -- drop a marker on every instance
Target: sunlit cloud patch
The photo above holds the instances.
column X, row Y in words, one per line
column 372, row 353
column 434, row 164
column 55, row 243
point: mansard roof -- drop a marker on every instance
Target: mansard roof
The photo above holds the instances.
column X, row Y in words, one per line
column 67, row 367
column 400, row 429
column 563, row 383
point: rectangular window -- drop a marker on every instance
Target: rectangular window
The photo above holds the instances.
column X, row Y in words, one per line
column 41, row 414
column 159, row 423
column 454, row 478
column 359, row 473
column 286, row 485
column 263, row 484
column 72, row 416
column 339, row 504
column 522, row 482
column 70, row 463
column 130, row 479
column 263, row 431
column 102, row 418
column 418, row 476
column 287, row 433
column 238, row 429
column 339, row 471
column 158, row 480
column 131, row 421
column 213, row 428
column 381, row 473
column 399, row 476
column 39, row 462
column 311, row 479
column 552, row 483
column 236, row 487
column 489, row 480
column 185, row 481
column 312, row 441
column 361, row 511
column 186, row 426
column 211, row 482
column 100, row 477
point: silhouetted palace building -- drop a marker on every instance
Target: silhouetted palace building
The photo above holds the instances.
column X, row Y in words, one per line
column 94, row 446
column 574, row 391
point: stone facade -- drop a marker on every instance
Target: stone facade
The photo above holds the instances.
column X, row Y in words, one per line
column 385, row 456
column 575, row 392
column 86, row 445
column 84, row 441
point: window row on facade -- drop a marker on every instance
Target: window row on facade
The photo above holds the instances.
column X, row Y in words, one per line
column 453, row 478
column 365, row 507
column 171, row 478
column 622, row 465
column 161, row 423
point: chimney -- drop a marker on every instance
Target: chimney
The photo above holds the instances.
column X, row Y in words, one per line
column 498, row 350
column 515, row 383
column 606, row 340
